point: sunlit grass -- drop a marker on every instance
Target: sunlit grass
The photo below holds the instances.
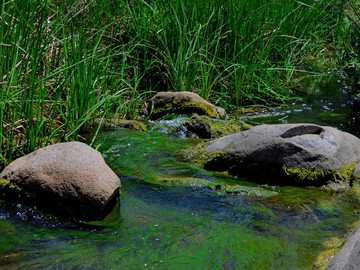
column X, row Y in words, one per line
column 64, row 63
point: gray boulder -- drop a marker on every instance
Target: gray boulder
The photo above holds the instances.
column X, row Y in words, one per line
column 70, row 179
column 349, row 256
column 182, row 103
column 272, row 153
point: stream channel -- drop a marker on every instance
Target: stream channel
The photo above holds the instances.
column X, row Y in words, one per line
column 171, row 219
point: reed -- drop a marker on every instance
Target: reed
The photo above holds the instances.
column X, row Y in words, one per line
column 65, row 63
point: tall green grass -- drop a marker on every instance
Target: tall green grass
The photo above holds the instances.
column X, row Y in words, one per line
column 60, row 68
column 240, row 51
column 65, row 63
column 352, row 42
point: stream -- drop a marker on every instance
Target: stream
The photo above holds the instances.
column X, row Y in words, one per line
column 172, row 215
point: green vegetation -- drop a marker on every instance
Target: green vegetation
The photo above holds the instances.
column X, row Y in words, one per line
column 65, row 63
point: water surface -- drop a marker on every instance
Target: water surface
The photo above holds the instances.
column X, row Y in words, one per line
column 181, row 226
column 192, row 224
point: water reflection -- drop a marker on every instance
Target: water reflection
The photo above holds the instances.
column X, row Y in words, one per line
column 331, row 103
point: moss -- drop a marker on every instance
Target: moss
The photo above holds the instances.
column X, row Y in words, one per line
column 13, row 192
column 219, row 129
column 215, row 128
column 186, row 181
column 7, row 184
column 342, row 176
column 214, row 160
column 303, row 174
column 132, row 124
column 330, row 248
column 219, row 187
column 177, row 106
column 273, row 173
column 249, row 191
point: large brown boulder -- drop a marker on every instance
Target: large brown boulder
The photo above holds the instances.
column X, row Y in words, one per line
column 307, row 153
column 349, row 256
column 182, row 103
column 70, row 179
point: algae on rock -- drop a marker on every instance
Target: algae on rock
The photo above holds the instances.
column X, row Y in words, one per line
column 293, row 154
column 209, row 128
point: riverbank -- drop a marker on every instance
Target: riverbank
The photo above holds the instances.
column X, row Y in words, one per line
column 65, row 64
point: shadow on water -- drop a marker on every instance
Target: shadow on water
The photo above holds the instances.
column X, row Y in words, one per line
column 189, row 224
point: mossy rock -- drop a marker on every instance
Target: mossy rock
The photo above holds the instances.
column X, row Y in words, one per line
column 261, row 172
column 329, row 248
column 132, row 124
column 209, row 128
column 182, row 103
column 294, row 154
column 273, row 173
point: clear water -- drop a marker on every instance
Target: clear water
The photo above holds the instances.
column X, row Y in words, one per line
column 188, row 225
column 179, row 226
column 331, row 103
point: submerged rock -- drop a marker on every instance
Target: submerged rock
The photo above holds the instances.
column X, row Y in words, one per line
column 349, row 256
column 183, row 103
column 219, row 187
column 305, row 153
column 70, row 179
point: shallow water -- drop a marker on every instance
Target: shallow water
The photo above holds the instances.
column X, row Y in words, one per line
column 332, row 103
column 191, row 223
column 179, row 226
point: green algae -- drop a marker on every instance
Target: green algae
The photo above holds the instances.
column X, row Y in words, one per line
column 202, row 157
column 344, row 176
column 249, row 191
column 274, row 173
column 219, row 187
column 329, row 248
column 185, row 181
column 222, row 223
